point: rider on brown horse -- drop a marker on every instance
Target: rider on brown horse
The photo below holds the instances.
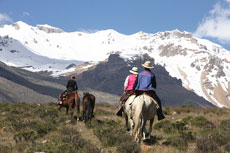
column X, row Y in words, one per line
column 146, row 83
column 71, row 86
column 70, row 98
column 128, row 88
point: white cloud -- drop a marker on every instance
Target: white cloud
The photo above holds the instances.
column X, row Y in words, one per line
column 26, row 14
column 217, row 24
column 4, row 18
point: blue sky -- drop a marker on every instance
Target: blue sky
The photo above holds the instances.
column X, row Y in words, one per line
column 205, row 18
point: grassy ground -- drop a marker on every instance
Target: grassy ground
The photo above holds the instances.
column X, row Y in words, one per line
column 41, row 128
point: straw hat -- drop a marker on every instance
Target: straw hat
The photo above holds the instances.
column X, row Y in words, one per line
column 134, row 70
column 148, row 65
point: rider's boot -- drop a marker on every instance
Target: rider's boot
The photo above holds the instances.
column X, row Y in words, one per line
column 160, row 114
column 119, row 113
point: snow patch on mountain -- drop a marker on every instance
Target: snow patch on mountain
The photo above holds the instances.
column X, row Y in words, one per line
column 203, row 66
column 13, row 53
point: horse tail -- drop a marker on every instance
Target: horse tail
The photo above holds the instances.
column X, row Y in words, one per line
column 89, row 107
column 138, row 116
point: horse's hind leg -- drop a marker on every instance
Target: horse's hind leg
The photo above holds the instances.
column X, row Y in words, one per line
column 150, row 127
column 143, row 129
column 67, row 110
column 83, row 113
column 78, row 108
column 89, row 109
column 127, row 122
column 71, row 109
column 93, row 105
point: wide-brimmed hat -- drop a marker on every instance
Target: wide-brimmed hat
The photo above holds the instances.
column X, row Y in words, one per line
column 134, row 70
column 148, row 65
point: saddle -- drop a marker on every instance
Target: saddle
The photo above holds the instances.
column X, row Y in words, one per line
column 147, row 94
column 126, row 95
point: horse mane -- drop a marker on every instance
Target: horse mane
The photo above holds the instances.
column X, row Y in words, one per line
column 86, row 94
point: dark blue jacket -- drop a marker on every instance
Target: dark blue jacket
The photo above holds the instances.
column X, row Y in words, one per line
column 71, row 86
column 146, row 80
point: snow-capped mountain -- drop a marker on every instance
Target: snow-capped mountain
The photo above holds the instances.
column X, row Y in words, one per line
column 203, row 67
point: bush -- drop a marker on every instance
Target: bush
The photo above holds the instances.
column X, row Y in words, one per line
column 187, row 119
column 176, row 127
column 187, row 135
column 227, row 147
column 225, row 124
column 207, row 144
column 5, row 149
column 65, row 141
column 213, row 141
column 202, row 122
column 178, row 143
column 128, row 146
column 16, row 122
column 25, row 136
column 221, row 111
column 111, row 134
column 162, row 124
column 167, row 111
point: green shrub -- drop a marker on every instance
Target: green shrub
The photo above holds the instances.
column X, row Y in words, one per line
column 167, row 111
column 188, row 106
column 162, row 124
column 176, row 127
column 202, row 122
column 225, row 124
column 207, row 144
column 221, row 111
column 65, row 141
column 178, row 143
column 128, row 146
column 227, row 147
column 5, row 107
column 187, row 119
column 16, row 122
column 187, row 135
column 5, row 149
column 111, row 134
column 27, row 135
column 213, row 141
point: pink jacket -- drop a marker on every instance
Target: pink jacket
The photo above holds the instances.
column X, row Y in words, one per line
column 129, row 82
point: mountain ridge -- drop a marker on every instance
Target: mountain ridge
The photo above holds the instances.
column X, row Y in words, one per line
column 203, row 66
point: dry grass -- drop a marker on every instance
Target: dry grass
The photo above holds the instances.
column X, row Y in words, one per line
column 32, row 127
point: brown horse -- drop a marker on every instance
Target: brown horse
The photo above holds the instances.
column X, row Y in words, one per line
column 88, row 104
column 71, row 101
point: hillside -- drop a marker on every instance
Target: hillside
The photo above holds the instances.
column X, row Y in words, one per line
column 202, row 66
column 17, row 85
column 29, row 128
column 109, row 77
column 106, row 84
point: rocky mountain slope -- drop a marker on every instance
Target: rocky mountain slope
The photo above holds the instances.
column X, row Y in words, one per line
column 109, row 77
column 202, row 66
column 17, row 85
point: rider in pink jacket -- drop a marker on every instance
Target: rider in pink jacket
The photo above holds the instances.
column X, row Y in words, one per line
column 128, row 88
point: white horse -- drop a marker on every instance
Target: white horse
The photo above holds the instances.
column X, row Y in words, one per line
column 143, row 108
column 127, row 113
